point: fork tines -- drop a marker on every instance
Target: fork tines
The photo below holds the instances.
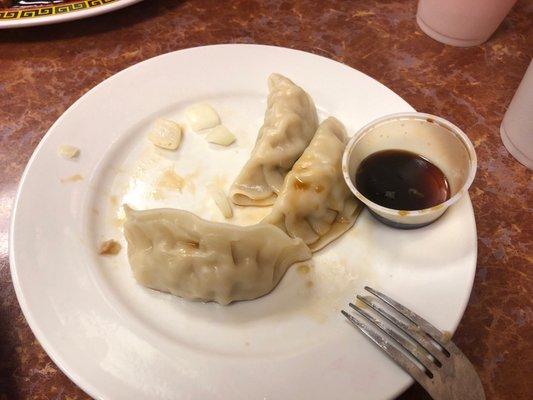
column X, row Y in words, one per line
column 416, row 345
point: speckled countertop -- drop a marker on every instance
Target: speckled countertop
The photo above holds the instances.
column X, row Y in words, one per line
column 44, row 70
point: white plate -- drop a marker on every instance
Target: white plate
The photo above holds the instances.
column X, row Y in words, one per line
column 118, row 340
column 52, row 14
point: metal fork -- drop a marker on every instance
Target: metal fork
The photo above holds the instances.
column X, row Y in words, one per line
column 426, row 354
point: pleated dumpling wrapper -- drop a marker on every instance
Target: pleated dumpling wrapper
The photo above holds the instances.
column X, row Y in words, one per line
column 177, row 252
column 315, row 203
column 289, row 125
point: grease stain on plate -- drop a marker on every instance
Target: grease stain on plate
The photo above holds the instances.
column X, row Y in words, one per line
column 168, row 181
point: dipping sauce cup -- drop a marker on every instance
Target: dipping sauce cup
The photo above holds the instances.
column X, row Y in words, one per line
column 435, row 139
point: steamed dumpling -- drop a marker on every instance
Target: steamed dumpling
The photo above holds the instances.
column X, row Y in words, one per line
column 175, row 251
column 315, row 204
column 290, row 123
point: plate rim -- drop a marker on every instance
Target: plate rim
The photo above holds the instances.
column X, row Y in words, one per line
column 69, row 16
column 77, row 379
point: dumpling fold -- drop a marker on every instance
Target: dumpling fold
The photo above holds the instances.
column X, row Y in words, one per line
column 315, row 203
column 289, row 125
column 176, row 251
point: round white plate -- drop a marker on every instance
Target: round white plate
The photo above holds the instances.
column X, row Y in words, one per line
column 118, row 340
column 53, row 14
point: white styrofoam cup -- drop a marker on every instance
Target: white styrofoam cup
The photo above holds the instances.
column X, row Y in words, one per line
column 516, row 129
column 461, row 23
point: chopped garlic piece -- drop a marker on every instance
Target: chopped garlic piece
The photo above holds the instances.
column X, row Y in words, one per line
column 67, row 151
column 202, row 116
column 72, row 178
column 165, row 134
column 110, row 248
column 220, row 135
column 221, row 201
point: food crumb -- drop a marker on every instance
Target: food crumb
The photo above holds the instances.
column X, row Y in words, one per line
column 359, row 303
column 110, row 248
column 68, row 152
column 446, row 336
column 72, row 178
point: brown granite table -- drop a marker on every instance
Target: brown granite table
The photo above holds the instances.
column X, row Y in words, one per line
column 44, row 70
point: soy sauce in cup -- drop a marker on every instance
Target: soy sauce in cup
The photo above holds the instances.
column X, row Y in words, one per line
column 416, row 166
column 401, row 180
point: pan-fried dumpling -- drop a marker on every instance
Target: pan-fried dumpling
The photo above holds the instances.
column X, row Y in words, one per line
column 290, row 123
column 315, row 203
column 175, row 251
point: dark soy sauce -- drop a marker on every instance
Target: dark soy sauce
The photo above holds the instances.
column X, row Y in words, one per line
column 401, row 180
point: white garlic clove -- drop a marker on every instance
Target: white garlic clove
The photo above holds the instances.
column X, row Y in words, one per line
column 166, row 134
column 202, row 116
column 222, row 202
column 220, row 135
